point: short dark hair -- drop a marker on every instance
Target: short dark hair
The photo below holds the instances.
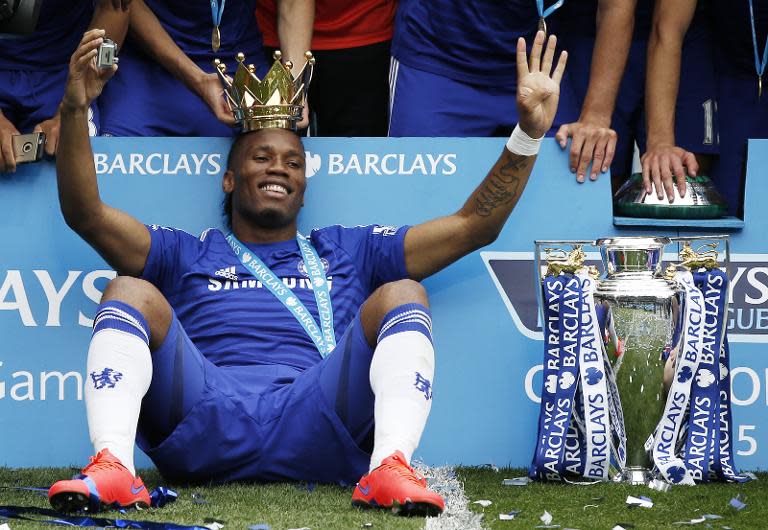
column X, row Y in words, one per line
column 235, row 151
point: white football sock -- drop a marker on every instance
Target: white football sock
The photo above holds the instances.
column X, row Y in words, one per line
column 402, row 370
column 119, row 372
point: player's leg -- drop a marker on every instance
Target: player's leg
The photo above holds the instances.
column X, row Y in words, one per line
column 382, row 373
column 132, row 319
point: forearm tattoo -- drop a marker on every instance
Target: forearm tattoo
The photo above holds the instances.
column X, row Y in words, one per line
column 504, row 184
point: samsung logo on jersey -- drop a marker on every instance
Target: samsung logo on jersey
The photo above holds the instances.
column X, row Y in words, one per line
column 391, row 164
column 158, row 163
column 219, row 284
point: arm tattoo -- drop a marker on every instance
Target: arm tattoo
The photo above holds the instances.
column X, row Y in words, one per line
column 503, row 185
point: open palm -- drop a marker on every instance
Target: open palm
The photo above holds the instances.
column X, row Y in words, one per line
column 538, row 87
column 86, row 80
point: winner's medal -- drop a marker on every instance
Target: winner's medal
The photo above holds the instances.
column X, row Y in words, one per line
column 216, row 39
column 544, row 13
column 216, row 13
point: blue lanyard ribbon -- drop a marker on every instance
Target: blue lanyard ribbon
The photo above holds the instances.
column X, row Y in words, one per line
column 544, row 13
column 323, row 335
column 217, row 12
column 759, row 65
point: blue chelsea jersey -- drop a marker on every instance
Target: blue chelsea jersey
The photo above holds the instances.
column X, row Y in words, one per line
column 235, row 321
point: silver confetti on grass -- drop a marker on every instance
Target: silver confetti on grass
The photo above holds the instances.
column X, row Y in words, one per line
column 457, row 515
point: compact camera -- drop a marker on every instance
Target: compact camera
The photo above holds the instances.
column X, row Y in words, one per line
column 28, row 147
column 107, row 54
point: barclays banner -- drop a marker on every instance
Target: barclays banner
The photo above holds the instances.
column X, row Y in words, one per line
column 486, row 325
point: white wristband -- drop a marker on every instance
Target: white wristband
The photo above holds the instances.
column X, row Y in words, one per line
column 522, row 144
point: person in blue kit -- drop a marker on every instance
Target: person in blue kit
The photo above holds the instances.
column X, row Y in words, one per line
column 741, row 112
column 594, row 37
column 452, row 71
column 167, row 85
column 262, row 354
column 33, row 69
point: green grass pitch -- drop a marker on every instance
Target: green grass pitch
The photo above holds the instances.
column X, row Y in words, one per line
column 285, row 506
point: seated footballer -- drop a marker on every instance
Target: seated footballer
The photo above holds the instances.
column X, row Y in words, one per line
column 293, row 380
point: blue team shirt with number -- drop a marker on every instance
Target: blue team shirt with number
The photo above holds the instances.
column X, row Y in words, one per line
column 60, row 26
column 235, row 321
column 189, row 24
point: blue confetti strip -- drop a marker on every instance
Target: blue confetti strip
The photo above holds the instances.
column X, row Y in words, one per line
column 56, row 518
column 41, row 491
column 736, row 503
column 161, row 496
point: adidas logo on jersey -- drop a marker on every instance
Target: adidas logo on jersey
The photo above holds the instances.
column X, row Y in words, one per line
column 227, row 272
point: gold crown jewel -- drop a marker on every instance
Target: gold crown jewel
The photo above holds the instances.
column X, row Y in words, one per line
column 277, row 101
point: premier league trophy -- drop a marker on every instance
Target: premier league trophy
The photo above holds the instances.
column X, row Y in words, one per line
column 643, row 312
column 635, row 370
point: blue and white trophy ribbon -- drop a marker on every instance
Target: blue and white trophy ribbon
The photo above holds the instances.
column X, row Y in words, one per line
column 668, row 462
column 562, row 301
column 576, row 435
column 699, row 401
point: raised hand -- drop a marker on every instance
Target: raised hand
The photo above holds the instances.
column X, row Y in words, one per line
column 86, row 80
column 538, row 87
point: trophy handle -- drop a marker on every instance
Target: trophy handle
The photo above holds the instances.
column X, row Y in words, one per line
column 549, row 246
column 724, row 264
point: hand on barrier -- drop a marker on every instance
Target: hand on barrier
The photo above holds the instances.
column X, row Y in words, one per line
column 208, row 87
column 51, row 130
column 593, row 141
column 86, row 80
column 538, row 86
column 7, row 160
column 664, row 163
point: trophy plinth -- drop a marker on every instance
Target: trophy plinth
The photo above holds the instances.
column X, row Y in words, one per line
column 701, row 200
column 643, row 311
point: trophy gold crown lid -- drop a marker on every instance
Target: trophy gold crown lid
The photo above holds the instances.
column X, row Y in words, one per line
column 276, row 101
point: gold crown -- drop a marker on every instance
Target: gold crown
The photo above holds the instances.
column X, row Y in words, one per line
column 277, row 101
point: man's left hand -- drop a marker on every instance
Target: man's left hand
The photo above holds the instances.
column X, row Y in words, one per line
column 538, row 87
column 593, row 142
column 51, row 130
column 210, row 90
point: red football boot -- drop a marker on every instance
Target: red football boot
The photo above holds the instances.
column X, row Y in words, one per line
column 104, row 483
column 396, row 485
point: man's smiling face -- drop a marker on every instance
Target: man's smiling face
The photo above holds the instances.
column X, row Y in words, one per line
column 267, row 178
